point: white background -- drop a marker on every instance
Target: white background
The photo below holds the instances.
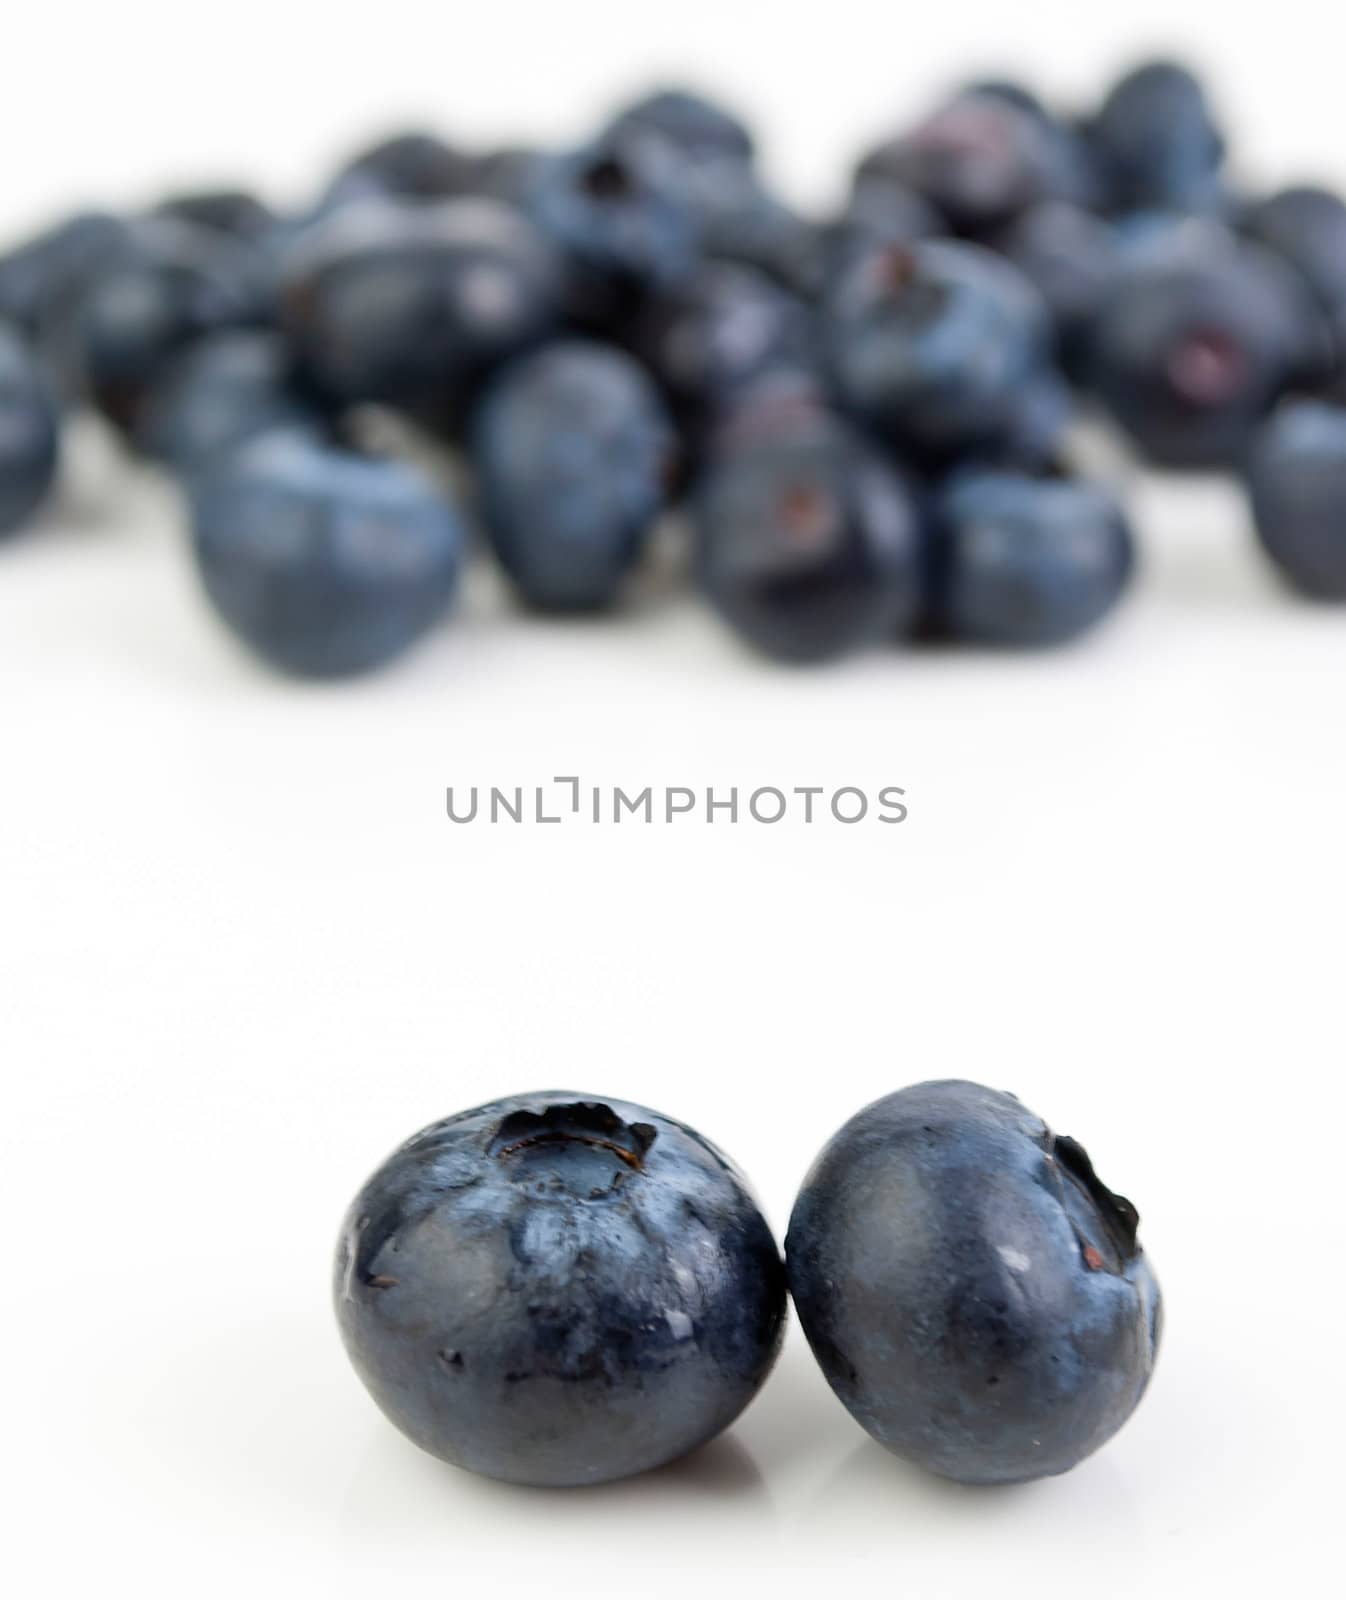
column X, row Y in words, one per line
column 244, row 953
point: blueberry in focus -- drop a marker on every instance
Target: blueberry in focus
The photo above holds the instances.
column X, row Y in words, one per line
column 976, row 1298
column 1023, row 561
column 218, row 395
column 1157, row 143
column 1297, row 479
column 930, row 345
column 574, row 456
column 325, row 563
column 558, row 1290
column 414, row 305
column 1197, row 339
column 28, row 433
column 174, row 283
column 808, row 542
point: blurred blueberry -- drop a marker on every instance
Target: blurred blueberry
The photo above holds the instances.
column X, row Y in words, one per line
column 983, row 156
column 975, row 1296
column 931, row 344
column 1196, row 340
column 559, row 1290
column 1025, row 561
column 414, row 305
column 1307, row 227
column 175, row 283
column 699, row 128
column 720, row 331
column 574, row 455
column 218, row 395
column 1157, row 143
column 1072, row 258
column 414, row 165
column 619, row 213
column 325, row 563
column 237, row 212
column 1297, row 475
column 28, row 432
column 878, row 211
column 507, row 174
column 808, row 542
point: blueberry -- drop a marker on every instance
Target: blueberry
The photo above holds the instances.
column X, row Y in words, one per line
column 1307, row 227
column 325, row 563
column 619, row 211
column 699, row 128
column 1157, row 142
column 558, row 1290
column 808, row 542
column 983, row 156
column 1024, row 561
column 879, row 211
column 1072, row 258
column 236, row 212
column 414, row 165
column 1297, row 475
column 176, row 283
column 220, row 394
column 930, row 344
column 1196, row 341
column 507, row 174
column 414, row 305
column 719, row 332
column 975, row 1297
column 742, row 221
column 41, row 277
column 28, row 433
column 573, row 452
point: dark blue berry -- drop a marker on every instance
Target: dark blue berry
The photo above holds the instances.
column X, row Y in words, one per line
column 559, row 1290
column 175, row 283
column 619, row 212
column 414, row 165
column 699, row 128
column 721, row 331
column 218, row 395
column 1157, row 143
column 976, row 1298
column 930, row 344
column 236, row 212
column 1072, row 258
column 574, row 457
column 1025, row 561
column 808, row 543
column 983, row 156
column 414, row 305
column 325, row 563
column 1297, row 475
column 1196, row 340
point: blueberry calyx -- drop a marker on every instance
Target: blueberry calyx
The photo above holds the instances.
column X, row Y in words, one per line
column 1207, row 369
column 584, row 1123
column 1119, row 1217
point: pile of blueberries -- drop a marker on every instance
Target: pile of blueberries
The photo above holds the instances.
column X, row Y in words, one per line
column 868, row 418
column 559, row 1290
